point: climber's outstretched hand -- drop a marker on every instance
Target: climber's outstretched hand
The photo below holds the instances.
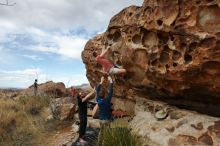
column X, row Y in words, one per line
column 110, row 79
column 102, row 79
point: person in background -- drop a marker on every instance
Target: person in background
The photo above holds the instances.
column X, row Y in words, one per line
column 82, row 99
column 104, row 103
column 35, row 87
column 73, row 91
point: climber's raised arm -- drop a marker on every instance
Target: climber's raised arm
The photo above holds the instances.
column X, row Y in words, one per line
column 88, row 96
column 110, row 90
column 104, row 51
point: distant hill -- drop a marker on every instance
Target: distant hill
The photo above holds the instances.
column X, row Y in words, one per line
column 11, row 89
column 83, row 86
column 50, row 87
column 9, row 92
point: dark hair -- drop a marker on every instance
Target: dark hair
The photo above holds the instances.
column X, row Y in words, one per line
column 94, row 54
column 82, row 94
column 102, row 93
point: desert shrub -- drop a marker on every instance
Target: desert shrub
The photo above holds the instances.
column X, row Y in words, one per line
column 119, row 136
column 33, row 105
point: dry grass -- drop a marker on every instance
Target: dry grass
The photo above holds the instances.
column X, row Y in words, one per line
column 22, row 122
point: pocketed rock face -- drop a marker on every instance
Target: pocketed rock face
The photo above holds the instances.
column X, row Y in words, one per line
column 171, row 50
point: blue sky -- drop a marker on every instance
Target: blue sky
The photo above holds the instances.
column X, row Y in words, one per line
column 44, row 39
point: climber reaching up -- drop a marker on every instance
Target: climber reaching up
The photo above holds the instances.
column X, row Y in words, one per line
column 104, row 100
column 108, row 67
column 104, row 104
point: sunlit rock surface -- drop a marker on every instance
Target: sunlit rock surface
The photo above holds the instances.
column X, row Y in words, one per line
column 181, row 127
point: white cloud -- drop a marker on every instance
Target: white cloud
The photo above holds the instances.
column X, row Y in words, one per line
column 64, row 15
column 54, row 20
column 40, row 48
column 33, row 57
column 36, row 31
column 66, row 46
column 22, row 72
column 5, row 57
column 52, row 27
column 22, row 77
column 75, row 80
column 70, row 47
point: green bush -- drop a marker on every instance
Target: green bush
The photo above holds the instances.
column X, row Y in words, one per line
column 119, row 136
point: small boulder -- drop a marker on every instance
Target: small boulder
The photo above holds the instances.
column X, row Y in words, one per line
column 63, row 108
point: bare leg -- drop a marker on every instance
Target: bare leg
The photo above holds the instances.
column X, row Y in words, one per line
column 115, row 71
column 121, row 71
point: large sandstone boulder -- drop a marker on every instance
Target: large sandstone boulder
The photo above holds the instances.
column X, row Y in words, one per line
column 171, row 50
